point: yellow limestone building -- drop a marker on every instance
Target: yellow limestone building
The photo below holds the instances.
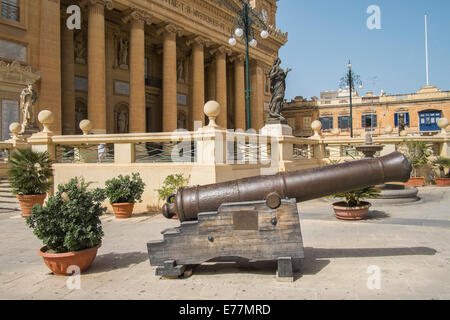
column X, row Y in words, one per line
column 134, row 65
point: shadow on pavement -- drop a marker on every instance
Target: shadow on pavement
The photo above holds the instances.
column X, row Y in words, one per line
column 377, row 215
column 319, row 253
column 315, row 260
column 113, row 261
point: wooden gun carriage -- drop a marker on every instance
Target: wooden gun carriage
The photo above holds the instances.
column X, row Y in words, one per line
column 257, row 218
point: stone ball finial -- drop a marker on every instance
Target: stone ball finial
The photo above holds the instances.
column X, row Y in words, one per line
column 212, row 111
column 46, row 117
column 86, row 126
column 388, row 129
column 15, row 128
column 316, row 125
column 336, row 132
column 443, row 124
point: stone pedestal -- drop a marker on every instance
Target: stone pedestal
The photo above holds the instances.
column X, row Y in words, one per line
column 277, row 129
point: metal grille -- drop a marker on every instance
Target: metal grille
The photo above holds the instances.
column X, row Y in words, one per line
column 10, row 10
column 94, row 153
column 303, row 151
column 4, row 155
column 147, row 152
column 251, row 152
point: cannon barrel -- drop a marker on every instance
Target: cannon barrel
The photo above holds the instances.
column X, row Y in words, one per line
column 302, row 185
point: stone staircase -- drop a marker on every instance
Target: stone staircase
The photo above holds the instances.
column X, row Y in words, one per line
column 8, row 201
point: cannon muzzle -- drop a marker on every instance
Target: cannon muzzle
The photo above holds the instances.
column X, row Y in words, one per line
column 302, row 185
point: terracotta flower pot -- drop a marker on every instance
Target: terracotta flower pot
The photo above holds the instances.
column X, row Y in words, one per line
column 123, row 210
column 59, row 262
column 416, row 182
column 28, row 201
column 443, row 182
column 345, row 212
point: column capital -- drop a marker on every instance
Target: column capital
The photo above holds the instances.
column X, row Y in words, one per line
column 137, row 15
column 199, row 41
column 109, row 4
column 237, row 57
column 221, row 50
column 169, row 28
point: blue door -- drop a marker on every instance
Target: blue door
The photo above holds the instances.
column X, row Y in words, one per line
column 428, row 120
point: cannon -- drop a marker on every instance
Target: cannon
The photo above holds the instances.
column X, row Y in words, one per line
column 257, row 218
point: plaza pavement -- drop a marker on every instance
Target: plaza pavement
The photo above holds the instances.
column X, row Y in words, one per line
column 409, row 244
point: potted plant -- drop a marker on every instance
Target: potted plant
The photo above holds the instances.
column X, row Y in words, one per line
column 123, row 192
column 171, row 185
column 29, row 178
column 69, row 226
column 442, row 163
column 419, row 153
column 353, row 208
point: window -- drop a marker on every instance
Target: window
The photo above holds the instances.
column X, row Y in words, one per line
column 344, row 122
column 307, row 123
column 428, row 120
column 327, row 123
column 401, row 117
column 369, row 120
column 10, row 9
column 292, row 123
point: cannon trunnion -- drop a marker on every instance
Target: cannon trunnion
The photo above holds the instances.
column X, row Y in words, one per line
column 257, row 218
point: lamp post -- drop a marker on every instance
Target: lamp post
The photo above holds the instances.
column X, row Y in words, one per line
column 349, row 81
column 246, row 17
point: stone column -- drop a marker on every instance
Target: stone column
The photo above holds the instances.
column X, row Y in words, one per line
column 239, row 92
column 198, row 79
column 67, row 80
column 257, row 95
column 221, row 85
column 137, row 73
column 169, row 89
column 97, row 64
column 50, row 61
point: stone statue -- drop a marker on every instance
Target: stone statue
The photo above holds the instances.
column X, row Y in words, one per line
column 277, row 78
column 122, row 122
column 80, row 48
column 123, row 53
column 28, row 98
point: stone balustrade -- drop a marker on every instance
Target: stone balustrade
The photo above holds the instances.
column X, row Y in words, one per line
column 208, row 155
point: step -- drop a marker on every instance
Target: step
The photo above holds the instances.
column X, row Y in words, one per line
column 8, row 200
column 4, row 194
column 4, row 189
column 9, row 206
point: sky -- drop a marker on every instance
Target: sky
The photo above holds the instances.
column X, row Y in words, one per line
column 323, row 35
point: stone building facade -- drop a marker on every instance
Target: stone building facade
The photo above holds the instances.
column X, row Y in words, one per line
column 417, row 112
column 134, row 65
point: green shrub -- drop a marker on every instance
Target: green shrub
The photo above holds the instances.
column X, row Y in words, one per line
column 171, row 185
column 442, row 163
column 418, row 152
column 70, row 220
column 30, row 172
column 125, row 189
column 354, row 198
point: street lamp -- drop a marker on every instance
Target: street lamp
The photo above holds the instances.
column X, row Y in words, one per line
column 246, row 17
column 349, row 81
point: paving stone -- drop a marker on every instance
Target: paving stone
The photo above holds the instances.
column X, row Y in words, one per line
column 410, row 244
